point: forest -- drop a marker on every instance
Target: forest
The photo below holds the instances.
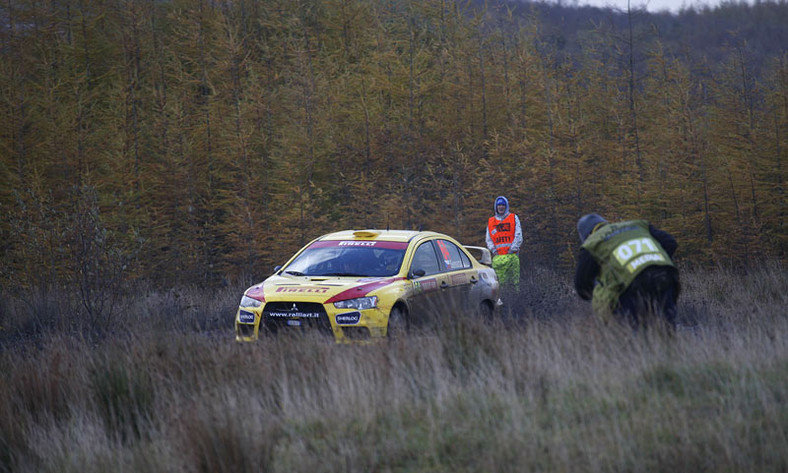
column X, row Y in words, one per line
column 201, row 142
column 158, row 156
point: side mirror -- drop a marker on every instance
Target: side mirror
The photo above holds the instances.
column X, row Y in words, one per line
column 277, row 268
column 417, row 273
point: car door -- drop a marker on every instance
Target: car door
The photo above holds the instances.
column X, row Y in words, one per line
column 428, row 281
column 460, row 275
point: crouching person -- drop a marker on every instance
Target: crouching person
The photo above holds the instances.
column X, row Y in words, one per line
column 626, row 269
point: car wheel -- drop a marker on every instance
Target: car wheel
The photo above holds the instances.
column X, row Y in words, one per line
column 398, row 323
column 486, row 311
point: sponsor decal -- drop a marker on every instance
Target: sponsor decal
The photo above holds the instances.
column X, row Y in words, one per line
column 245, row 317
column 425, row 286
column 391, row 245
column 348, row 318
column 310, row 290
column 296, row 315
column 459, row 279
column 429, row 285
column 357, row 243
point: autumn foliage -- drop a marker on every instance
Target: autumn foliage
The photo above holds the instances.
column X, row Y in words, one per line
column 195, row 141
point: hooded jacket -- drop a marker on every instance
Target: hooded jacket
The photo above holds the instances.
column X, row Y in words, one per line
column 504, row 233
column 612, row 258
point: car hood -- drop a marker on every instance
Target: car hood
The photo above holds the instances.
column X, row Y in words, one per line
column 320, row 289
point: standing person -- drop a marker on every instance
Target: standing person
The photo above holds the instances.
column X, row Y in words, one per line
column 626, row 269
column 504, row 237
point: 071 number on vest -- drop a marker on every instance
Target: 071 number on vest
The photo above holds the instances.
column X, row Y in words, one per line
column 634, row 253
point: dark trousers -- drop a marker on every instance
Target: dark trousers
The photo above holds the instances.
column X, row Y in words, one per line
column 650, row 297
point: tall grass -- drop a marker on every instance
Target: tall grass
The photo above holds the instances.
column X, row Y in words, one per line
column 540, row 390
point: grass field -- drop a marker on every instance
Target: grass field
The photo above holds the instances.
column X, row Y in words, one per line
column 549, row 389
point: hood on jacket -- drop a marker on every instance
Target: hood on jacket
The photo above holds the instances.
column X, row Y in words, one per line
column 498, row 200
column 588, row 224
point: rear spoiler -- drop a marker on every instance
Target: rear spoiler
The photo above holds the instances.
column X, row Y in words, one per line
column 481, row 254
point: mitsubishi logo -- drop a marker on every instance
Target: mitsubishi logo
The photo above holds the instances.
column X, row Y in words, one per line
column 294, row 309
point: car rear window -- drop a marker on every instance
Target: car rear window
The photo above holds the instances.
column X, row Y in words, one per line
column 453, row 257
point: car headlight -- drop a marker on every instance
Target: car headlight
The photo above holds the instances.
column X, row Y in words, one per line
column 359, row 304
column 247, row 301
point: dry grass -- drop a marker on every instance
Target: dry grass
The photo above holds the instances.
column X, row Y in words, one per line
column 545, row 390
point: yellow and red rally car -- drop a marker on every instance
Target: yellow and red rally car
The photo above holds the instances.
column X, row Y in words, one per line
column 368, row 284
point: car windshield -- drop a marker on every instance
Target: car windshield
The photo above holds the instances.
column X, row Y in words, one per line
column 349, row 258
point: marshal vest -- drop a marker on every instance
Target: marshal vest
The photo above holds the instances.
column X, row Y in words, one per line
column 502, row 233
column 622, row 250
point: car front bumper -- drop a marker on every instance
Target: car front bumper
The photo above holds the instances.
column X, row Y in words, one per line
column 345, row 325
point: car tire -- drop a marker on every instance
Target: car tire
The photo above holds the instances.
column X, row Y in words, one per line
column 486, row 311
column 398, row 323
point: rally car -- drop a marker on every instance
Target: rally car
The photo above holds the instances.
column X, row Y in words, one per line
column 369, row 284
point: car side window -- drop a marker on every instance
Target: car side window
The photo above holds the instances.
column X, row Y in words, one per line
column 466, row 261
column 453, row 257
column 425, row 259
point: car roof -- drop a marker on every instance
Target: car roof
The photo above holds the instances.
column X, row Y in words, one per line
column 381, row 235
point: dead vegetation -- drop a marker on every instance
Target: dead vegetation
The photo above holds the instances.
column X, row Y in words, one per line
column 550, row 389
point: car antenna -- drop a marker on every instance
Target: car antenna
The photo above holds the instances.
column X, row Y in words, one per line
column 387, row 222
